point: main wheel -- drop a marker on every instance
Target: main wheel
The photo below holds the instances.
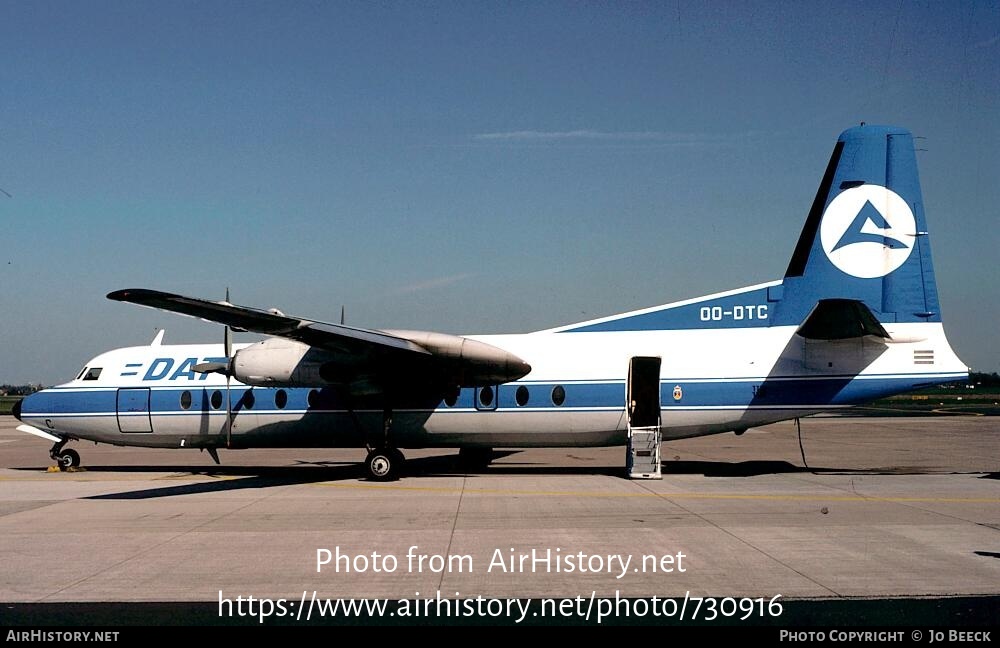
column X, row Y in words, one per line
column 384, row 464
column 68, row 459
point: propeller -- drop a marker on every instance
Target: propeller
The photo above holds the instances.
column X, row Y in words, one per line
column 226, row 369
column 227, row 342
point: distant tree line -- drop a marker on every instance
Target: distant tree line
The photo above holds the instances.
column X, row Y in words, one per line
column 984, row 379
column 19, row 390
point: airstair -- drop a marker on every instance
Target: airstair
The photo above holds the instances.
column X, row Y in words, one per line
column 642, row 459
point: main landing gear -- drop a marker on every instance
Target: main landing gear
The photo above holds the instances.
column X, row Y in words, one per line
column 384, row 464
column 64, row 458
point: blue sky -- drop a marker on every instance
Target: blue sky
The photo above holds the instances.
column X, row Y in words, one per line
column 463, row 167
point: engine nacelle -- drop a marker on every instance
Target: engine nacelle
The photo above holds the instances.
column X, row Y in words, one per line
column 280, row 361
column 453, row 360
column 476, row 363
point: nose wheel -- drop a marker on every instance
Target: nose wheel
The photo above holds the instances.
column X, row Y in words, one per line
column 64, row 458
column 384, row 464
column 68, row 459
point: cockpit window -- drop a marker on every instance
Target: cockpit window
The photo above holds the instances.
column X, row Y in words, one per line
column 93, row 374
column 82, row 371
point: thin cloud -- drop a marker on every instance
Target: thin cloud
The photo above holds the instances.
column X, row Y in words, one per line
column 430, row 284
column 611, row 136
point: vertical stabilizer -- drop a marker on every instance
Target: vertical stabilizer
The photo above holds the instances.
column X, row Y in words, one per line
column 866, row 236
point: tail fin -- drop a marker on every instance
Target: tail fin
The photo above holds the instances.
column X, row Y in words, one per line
column 864, row 253
column 866, row 236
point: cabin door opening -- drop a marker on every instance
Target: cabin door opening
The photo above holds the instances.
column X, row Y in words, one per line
column 643, row 408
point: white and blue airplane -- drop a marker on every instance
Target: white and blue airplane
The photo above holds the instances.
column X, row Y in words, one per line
column 855, row 318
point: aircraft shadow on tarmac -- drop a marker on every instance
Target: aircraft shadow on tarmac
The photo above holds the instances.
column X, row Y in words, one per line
column 230, row 478
column 757, row 468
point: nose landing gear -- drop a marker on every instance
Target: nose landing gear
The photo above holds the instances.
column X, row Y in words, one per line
column 66, row 459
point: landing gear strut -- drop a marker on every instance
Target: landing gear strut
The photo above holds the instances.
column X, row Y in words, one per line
column 384, row 462
column 65, row 458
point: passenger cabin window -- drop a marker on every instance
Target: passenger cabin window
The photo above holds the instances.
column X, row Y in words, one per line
column 93, row 374
column 280, row 399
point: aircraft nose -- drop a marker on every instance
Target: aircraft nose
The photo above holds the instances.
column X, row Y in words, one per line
column 17, row 410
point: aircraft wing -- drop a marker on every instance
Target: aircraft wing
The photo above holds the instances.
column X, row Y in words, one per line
column 460, row 360
column 332, row 337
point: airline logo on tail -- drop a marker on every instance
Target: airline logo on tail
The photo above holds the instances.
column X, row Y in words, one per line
column 868, row 231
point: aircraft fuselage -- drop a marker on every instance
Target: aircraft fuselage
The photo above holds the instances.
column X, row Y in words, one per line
column 711, row 381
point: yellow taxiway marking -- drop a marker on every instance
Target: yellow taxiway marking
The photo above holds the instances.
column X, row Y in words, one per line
column 665, row 495
column 952, row 412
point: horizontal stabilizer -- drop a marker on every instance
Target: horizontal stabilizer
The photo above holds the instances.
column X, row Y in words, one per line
column 840, row 319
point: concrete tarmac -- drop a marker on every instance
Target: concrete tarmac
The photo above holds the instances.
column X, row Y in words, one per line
column 890, row 507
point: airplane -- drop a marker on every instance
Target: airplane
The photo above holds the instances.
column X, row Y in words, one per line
column 855, row 318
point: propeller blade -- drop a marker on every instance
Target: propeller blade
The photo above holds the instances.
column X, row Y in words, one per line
column 227, row 340
column 229, row 415
column 211, row 367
